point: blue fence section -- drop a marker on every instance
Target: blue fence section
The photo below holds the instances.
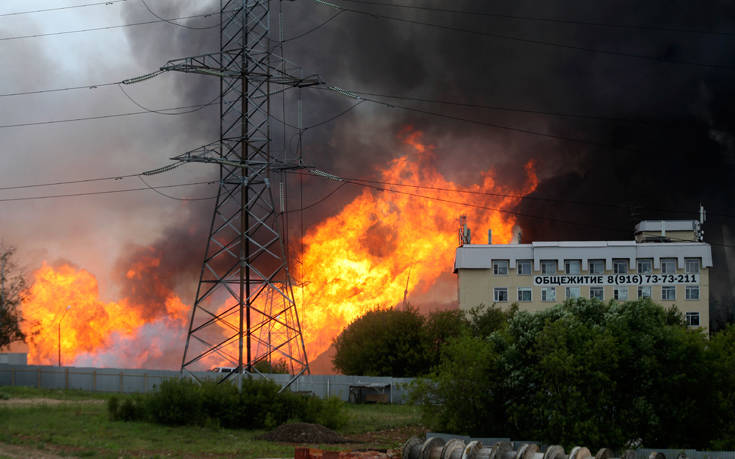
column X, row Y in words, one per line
column 130, row 380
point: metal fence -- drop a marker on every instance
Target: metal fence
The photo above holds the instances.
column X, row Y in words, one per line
column 130, row 381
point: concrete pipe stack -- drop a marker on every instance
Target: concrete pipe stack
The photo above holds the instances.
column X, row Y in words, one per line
column 438, row 448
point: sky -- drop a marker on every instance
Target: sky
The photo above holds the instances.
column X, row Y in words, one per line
column 625, row 107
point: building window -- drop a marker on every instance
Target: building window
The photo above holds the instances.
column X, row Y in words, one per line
column 500, row 294
column 524, row 267
column 548, row 267
column 597, row 266
column 572, row 292
column 500, row 267
column 645, row 266
column 524, row 294
column 668, row 292
column 620, row 293
column 548, row 293
column 691, row 265
column 644, row 291
column 620, row 266
column 692, row 319
column 573, row 266
column 668, row 265
column 597, row 292
column 692, row 292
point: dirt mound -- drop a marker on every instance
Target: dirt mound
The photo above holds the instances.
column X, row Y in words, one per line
column 302, row 432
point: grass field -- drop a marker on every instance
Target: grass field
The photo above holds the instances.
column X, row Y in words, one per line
column 75, row 423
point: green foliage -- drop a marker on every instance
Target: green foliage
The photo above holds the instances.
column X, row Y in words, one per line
column 586, row 372
column 383, row 342
column 13, row 285
column 258, row 405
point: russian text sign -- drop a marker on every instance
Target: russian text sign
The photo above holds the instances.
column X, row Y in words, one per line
column 615, row 279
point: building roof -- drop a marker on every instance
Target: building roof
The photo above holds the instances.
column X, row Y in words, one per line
column 669, row 225
column 480, row 256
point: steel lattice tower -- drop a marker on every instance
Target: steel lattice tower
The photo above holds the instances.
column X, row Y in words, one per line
column 244, row 312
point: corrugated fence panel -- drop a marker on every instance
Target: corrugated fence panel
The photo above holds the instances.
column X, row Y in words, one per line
column 134, row 380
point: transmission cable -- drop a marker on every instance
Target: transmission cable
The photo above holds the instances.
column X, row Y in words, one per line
column 107, row 3
column 155, row 189
column 150, row 110
column 114, row 115
column 94, row 29
column 546, row 19
column 91, row 193
column 170, row 21
column 526, row 40
column 313, row 29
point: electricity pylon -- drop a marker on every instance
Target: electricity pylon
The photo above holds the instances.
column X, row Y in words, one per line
column 244, row 312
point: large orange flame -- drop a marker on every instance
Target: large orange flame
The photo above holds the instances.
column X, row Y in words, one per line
column 381, row 244
column 385, row 242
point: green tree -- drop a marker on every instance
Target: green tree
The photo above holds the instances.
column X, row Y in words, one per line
column 12, row 286
column 383, row 342
column 440, row 328
column 584, row 372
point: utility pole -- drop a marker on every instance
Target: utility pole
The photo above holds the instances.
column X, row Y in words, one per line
column 245, row 261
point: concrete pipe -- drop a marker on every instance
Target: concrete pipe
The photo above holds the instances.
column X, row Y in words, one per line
column 656, row 455
column 411, row 448
column 472, row 450
column 453, row 449
column 431, row 448
column 580, row 452
column 604, row 453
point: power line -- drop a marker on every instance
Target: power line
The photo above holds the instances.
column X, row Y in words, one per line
column 484, row 123
column 313, row 29
column 114, row 115
column 318, row 201
column 527, row 40
column 552, row 20
column 170, row 21
column 70, row 88
column 157, row 191
column 160, row 112
column 94, row 29
column 92, row 193
column 500, row 108
column 18, row 13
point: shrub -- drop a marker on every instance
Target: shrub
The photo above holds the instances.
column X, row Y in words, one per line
column 259, row 404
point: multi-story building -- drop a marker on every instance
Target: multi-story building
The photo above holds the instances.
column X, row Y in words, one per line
column 666, row 262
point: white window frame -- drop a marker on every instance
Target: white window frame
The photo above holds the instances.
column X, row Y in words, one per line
column 644, row 288
column 548, row 266
column 528, row 290
column 690, row 316
column 691, row 265
column 528, row 263
column 497, row 264
column 691, row 288
column 571, row 264
column 617, row 293
column 598, row 289
column 570, row 295
column 648, row 266
column 668, row 288
column 600, row 263
column 668, row 262
column 497, row 291
column 545, row 296
column 620, row 263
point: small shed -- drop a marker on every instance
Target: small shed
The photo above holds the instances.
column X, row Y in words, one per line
column 370, row 393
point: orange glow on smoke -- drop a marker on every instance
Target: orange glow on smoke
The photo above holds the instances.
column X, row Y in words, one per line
column 360, row 259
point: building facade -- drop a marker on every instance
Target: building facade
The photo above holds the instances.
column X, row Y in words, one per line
column 666, row 262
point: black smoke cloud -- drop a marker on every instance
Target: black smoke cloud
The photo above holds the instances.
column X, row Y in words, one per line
column 655, row 138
